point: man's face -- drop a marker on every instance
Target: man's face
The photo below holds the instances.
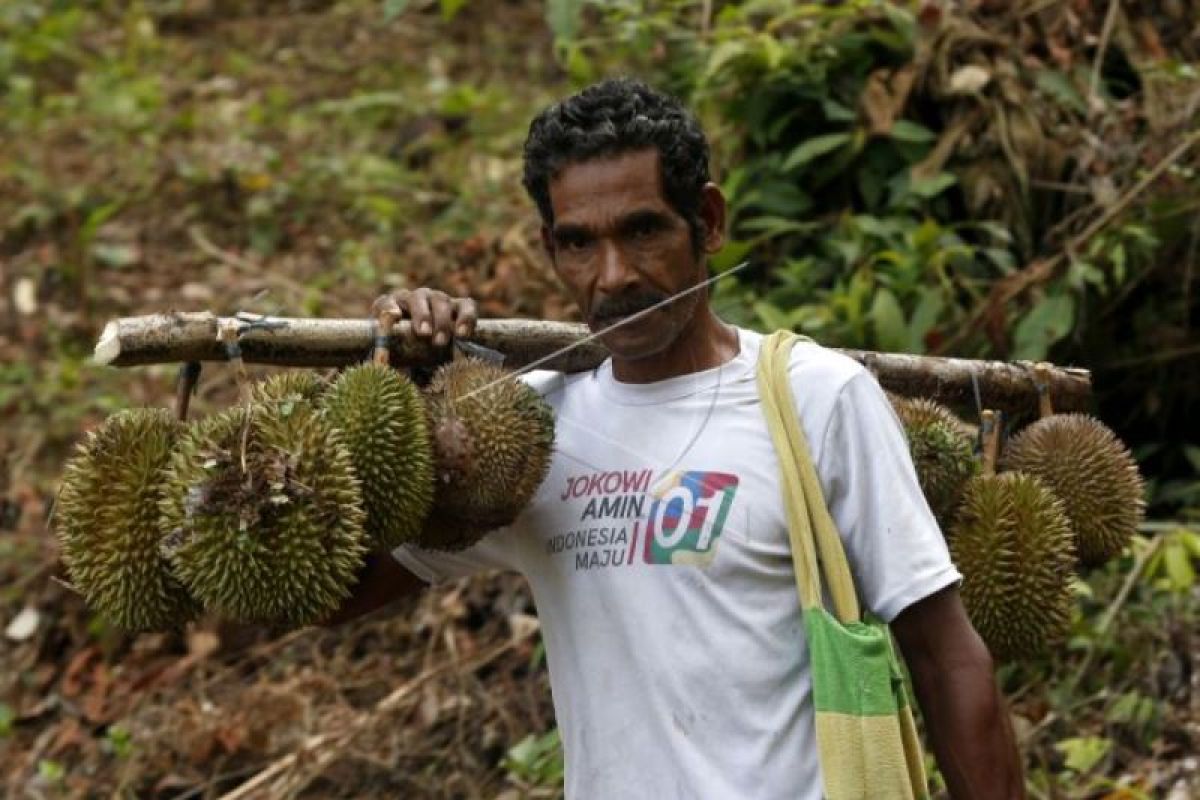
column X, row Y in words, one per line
column 620, row 247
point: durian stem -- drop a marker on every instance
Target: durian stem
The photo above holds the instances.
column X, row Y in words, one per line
column 227, row 334
column 1041, row 380
column 297, row 342
column 383, row 338
column 989, row 430
column 185, row 387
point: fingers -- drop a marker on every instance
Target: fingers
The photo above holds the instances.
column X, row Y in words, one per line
column 385, row 303
column 443, row 318
column 465, row 316
column 432, row 314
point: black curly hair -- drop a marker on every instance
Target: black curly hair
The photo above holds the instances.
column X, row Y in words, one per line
column 612, row 117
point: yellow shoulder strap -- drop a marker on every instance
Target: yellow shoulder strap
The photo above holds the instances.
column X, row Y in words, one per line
column 808, row 516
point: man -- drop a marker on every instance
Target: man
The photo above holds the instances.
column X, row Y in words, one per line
column 656, row 549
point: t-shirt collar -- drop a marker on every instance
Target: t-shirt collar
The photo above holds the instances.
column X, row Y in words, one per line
column 681, row 385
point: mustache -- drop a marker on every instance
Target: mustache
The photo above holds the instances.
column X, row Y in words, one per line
column 623, row 305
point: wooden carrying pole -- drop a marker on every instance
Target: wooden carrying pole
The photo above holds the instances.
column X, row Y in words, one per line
column 296, row 342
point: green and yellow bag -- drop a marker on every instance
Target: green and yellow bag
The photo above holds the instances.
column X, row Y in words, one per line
column 867, row 740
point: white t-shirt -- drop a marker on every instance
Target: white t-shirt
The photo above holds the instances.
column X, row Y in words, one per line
column 658, row 558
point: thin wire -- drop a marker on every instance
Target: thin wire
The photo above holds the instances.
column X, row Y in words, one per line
column 637, row 315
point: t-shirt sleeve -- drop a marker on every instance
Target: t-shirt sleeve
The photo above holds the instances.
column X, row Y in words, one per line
column 496, row 551
column 896, row 551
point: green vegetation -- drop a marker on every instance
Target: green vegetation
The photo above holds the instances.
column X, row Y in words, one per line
column 1012, row 184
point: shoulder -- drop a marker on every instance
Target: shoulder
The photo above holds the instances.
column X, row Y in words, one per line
column 553, row 386
column 816, row 368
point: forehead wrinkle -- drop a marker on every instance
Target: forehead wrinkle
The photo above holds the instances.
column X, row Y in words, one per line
column 588, row 189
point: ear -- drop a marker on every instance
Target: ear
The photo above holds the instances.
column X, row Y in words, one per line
column 713, row 210
column 548, row 241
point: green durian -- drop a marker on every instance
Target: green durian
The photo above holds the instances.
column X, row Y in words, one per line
column 493, row 438
column 110, row 526
column 943, row 452
column 381, row 419
column 294, row 384
column 1092, row 472
column 265, row 515
column 1013, row 545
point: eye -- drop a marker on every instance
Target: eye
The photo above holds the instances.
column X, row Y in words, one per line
column 570, row 241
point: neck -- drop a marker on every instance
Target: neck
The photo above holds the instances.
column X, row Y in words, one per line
column 704, row 343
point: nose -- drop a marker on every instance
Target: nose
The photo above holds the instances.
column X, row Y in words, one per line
column 616, row 274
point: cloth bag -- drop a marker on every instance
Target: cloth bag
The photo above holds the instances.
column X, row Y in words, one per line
column 867, row 741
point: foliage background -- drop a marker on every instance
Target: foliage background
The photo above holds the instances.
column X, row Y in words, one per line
column 1008, row 180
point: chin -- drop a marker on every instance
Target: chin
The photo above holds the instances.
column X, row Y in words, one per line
column 634, row 342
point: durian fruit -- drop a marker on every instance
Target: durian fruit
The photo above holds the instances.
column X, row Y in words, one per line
column 110, row 526
column 302, row 385
column 1012, row 543
column 493, row 438
column 265, row 514
column 943, row 452
column 381, row 419
column 1092, row 472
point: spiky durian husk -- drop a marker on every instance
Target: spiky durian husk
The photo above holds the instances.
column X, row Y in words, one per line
column 915, row 411
column 294, row 385
column 265, row 515
column 382, row 422
column 943, row 453
column 493, row 439
column 1013, row 545
column 110, row 526
column 1095, row 476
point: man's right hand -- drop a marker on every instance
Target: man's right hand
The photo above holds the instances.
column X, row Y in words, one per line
column 434, row 315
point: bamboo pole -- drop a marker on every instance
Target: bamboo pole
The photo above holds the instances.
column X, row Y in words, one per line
column 299, row 342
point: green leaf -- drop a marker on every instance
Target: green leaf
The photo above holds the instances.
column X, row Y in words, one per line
column 772, row 318
column 1192, row 453
column 1178, row 563
column 925, row 316
column 563, row 18
column 450, row 8
column 393, row 9
column 1083, row 752
column 1048, row 321
column 835, row 111
column 927, row 188
column 1059, row 87
column 729, row 256
column 907, row 131
column 888, row 318
column 115, row 255
column 814, row 148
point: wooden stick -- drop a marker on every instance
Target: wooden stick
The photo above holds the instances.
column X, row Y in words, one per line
column 283, row 341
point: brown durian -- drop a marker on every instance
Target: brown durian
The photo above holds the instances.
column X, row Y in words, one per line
column 1092, row 472
column 493, row 438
